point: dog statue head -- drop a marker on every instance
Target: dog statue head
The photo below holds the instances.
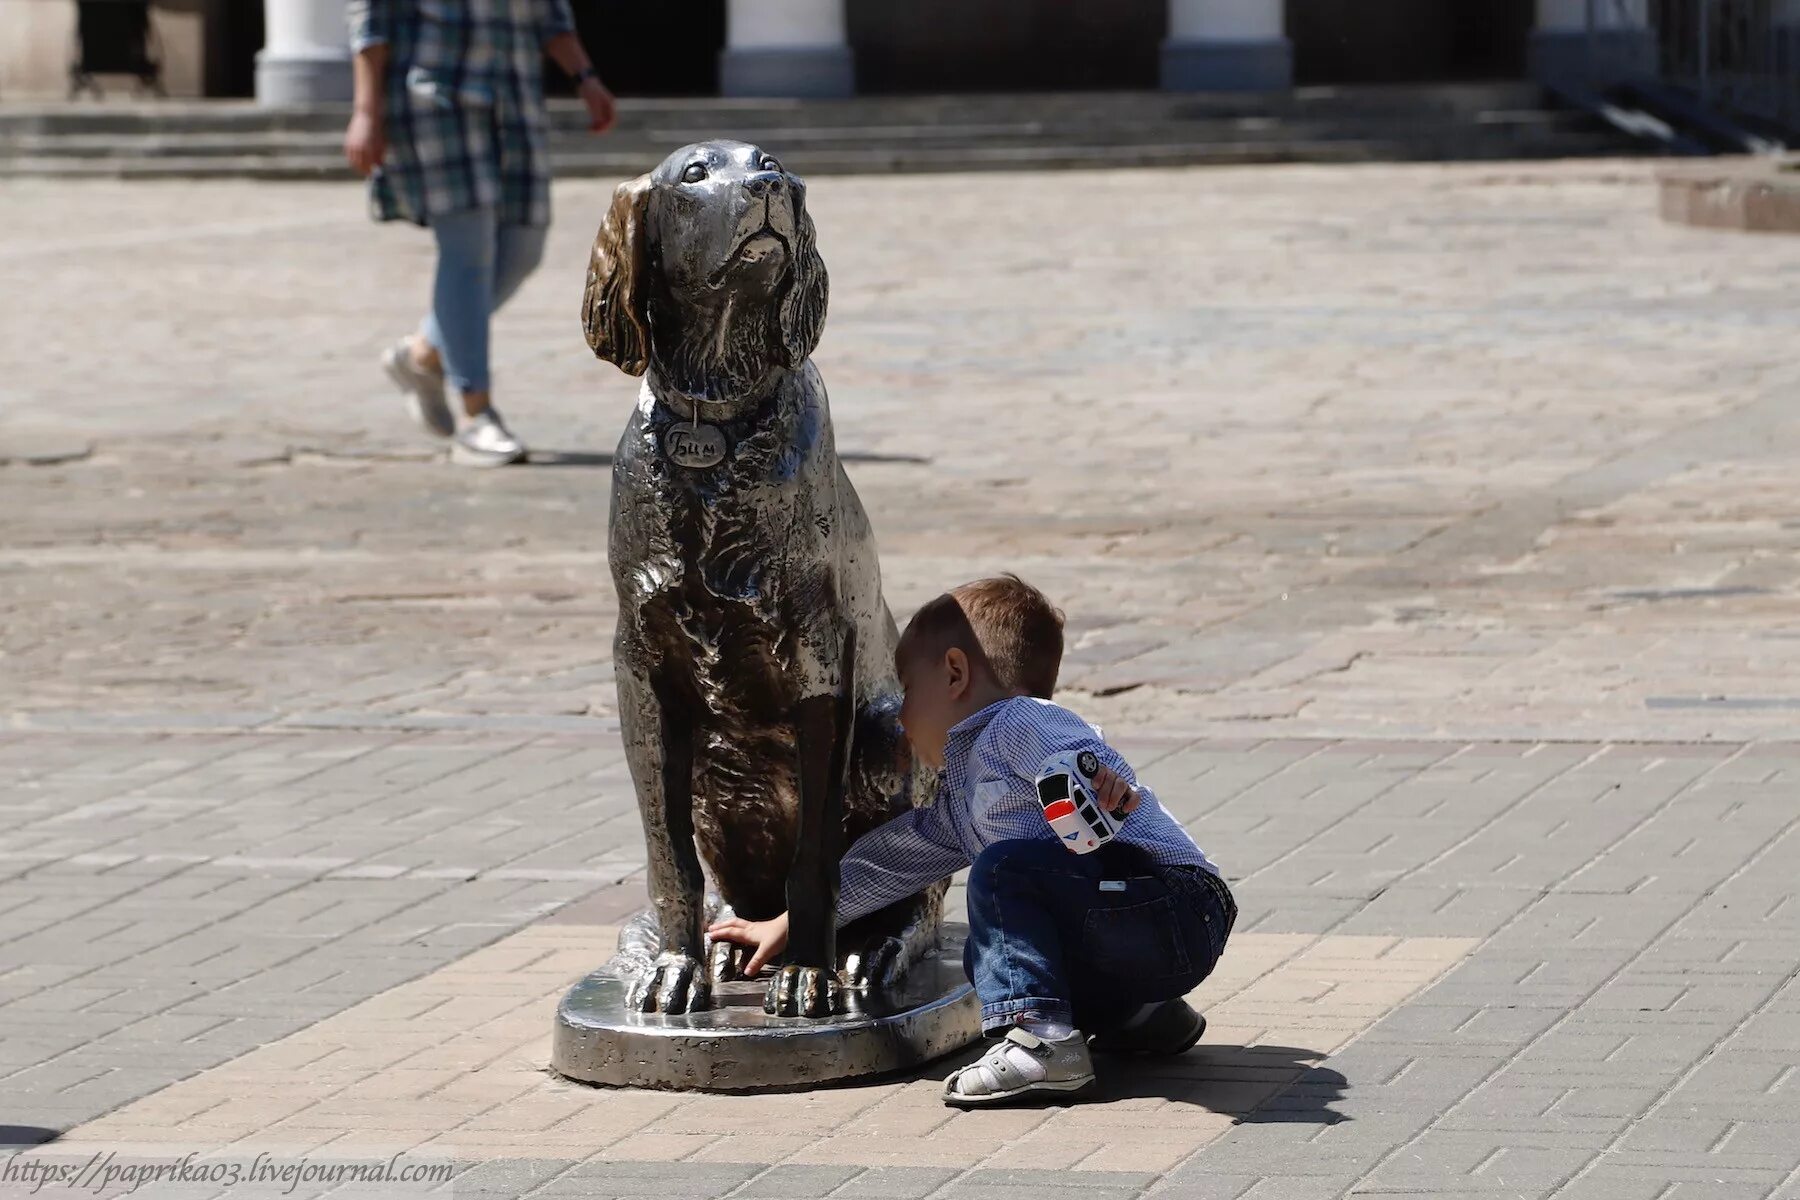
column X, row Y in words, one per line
column 706, row 273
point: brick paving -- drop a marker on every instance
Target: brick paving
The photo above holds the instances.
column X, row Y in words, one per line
column 1426, row 540
column 452, row 1065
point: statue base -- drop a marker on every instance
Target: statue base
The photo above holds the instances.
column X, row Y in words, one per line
column 735, row 1046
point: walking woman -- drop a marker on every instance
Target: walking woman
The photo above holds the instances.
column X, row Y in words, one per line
column 450, row 127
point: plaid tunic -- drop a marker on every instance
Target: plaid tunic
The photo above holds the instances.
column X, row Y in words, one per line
column 466, row 123
column 987, row 793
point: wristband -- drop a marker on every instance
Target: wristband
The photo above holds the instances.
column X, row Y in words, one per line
column 586, row 73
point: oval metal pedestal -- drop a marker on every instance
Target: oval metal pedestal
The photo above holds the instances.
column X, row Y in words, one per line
column 735, row 1046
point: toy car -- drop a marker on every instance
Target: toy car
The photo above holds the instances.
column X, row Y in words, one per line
column 1065, row 786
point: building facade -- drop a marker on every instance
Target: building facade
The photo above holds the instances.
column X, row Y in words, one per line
column 286, row 51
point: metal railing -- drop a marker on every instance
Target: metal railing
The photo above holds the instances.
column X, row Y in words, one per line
column 1734, row 56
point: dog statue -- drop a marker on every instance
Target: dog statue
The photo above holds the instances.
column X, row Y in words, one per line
column 754, row 652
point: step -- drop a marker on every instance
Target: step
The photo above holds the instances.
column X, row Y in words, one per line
column 709, row 112
column 796, row 132
column 883, row 133
column 801, row 141
column 884, row 159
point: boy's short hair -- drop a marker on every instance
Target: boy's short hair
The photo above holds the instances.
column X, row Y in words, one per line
column 1002, row 621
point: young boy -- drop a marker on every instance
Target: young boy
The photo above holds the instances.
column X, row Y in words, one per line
column 1059, row 943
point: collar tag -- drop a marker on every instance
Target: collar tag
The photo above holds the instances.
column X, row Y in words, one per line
column 695, row 446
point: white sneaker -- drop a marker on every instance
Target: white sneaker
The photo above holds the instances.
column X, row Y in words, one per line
column 424, row 389
column 1022, row 1064
column 483, row 441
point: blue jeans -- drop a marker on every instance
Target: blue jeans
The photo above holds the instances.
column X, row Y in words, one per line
column 1087, row 938
column 481, row 263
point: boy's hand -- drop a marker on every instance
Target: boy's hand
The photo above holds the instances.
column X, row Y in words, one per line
column 1115, row 795
column 769, row 937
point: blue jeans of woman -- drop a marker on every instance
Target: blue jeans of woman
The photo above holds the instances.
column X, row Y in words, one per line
column 481, row 263
column 1087, row 939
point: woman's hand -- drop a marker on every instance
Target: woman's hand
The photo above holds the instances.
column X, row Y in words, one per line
column 365, row 142
column 769, row 937
column 1115, row 795
column 602, row 109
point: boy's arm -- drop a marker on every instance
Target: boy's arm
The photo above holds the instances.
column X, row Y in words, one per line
column 1019, row 749
column 897, row 859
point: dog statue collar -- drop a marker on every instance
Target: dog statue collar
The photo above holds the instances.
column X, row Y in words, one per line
column 689, row 441
column 690, row 444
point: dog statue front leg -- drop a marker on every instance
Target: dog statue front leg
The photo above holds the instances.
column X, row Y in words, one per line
column 659, row 748
column 808, row 985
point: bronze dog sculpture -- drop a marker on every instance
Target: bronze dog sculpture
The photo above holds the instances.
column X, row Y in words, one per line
column 754, row 653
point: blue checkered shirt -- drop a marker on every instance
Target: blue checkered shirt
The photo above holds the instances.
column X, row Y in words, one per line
column 466, row 123
column 987, row 793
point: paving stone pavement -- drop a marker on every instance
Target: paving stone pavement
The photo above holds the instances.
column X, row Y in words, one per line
column 1426, row 538
column 1442, row 451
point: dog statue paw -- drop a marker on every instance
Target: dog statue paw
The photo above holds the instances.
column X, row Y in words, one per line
column 804, row 992
column 673, row 984
column 876, row 965
column 729, row 961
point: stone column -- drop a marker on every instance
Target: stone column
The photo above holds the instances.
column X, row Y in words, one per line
column 305, row 57
column 1565, row 51
column 785, row 48
column 1226, row 46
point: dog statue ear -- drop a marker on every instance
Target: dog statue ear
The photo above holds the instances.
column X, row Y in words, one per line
column 803, row 308
column 612, row 309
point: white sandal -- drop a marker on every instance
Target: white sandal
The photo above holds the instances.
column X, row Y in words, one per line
column 1022, row 1064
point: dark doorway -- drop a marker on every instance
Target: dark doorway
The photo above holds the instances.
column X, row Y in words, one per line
column 239, row 37
column 114, row 37
column 1408, row 41
column 653, row 49
column 1005, row 45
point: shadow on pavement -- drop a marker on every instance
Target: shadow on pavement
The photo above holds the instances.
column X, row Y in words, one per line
column 26, row 1135
column 1255, row 1084
column 569, row 458
column 599, row 458
column 1260, row 1084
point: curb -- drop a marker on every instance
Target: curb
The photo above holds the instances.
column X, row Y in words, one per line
column 1751, row 195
